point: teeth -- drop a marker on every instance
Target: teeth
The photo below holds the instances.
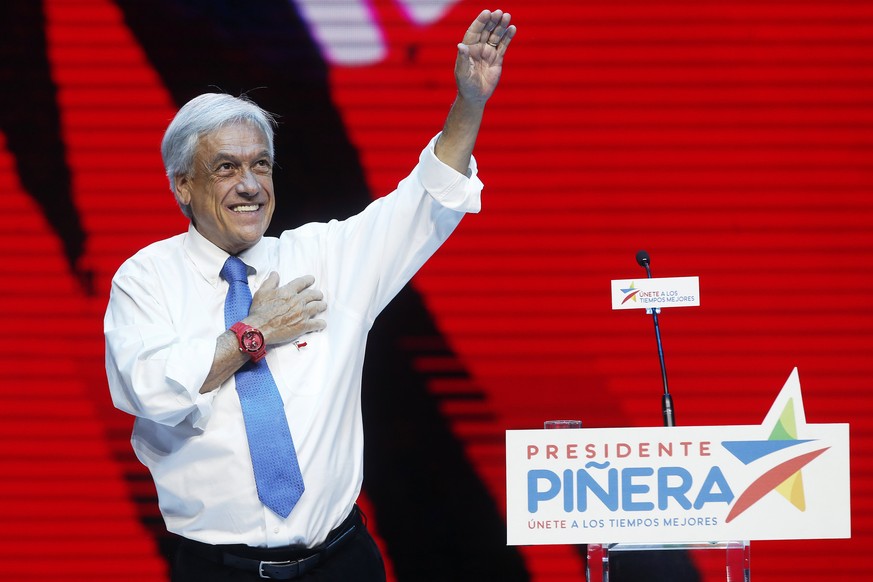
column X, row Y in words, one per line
column 247, row 208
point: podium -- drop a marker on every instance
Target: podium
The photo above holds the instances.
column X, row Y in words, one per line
column 635, row 491
column 604, row 560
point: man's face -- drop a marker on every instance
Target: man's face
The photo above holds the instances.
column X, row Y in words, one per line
column 230, row 188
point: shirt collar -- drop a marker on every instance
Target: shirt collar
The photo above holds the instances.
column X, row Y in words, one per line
column 208, row 259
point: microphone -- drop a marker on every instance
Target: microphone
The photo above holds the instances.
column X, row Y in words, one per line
column 645, row 261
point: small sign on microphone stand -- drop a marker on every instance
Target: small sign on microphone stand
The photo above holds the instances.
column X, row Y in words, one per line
column 656, row 293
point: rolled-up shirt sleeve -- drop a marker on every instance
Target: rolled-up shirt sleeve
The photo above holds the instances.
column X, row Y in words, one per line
column 452, row 190
column 153, row 373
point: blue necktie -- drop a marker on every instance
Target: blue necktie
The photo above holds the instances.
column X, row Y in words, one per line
column 274, row 459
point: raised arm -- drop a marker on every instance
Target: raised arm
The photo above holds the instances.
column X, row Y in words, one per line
column 477, row 71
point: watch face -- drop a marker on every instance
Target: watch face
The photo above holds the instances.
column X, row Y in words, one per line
column 252, row 341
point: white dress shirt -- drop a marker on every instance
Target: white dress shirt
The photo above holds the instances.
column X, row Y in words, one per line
column 166, row 309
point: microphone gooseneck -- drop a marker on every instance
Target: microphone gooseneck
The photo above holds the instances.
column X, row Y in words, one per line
column 645, row 261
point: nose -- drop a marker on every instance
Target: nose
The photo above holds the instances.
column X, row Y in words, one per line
column 248, row 185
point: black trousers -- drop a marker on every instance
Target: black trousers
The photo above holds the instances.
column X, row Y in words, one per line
column 356, row 560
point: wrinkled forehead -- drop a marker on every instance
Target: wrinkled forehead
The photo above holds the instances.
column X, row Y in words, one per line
column 238, row 139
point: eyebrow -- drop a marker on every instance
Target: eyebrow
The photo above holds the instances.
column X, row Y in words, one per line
column 221, row 157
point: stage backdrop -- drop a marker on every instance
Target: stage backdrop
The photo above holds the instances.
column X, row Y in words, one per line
column 731, row 140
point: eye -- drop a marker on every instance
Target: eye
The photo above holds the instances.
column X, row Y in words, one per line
column 263, row 165
column 225, row 169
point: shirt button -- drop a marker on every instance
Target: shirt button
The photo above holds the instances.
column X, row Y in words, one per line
column 275, row 530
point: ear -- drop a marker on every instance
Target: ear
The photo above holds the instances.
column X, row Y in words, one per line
column 182, row 189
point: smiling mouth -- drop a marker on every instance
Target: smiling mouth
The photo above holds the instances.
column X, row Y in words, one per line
column 246, row 208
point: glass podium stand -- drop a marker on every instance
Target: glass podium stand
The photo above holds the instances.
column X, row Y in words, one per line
column 604, row 562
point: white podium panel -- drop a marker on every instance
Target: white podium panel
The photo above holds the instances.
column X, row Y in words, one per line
column 782, row 479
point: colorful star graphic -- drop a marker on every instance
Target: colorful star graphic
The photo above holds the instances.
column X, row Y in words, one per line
column 633, row 293
column 785, row 478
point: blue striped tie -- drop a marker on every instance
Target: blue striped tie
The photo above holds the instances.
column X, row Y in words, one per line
column 274, row 460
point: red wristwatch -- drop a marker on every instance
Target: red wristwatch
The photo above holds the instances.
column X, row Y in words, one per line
column 251, row 340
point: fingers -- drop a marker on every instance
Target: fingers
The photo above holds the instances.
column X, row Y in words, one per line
column 314, row 325
column 313, row 304
column 271, row 282
column 481, row 28
column 298, row 284
column 488, row 23
column 306, row 301
column 490, row 30
column 310, row 302
column 309, row 322
column 479, row 24
column 495, row 28
column 284, row 313
column 300, row 289
column 501, row 35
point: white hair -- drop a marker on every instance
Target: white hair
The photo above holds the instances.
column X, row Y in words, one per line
column 199, row 117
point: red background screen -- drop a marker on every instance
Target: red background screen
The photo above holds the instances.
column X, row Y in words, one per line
column 731, row 140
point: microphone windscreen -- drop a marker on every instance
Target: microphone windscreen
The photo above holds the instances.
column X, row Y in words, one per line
column 643, row 258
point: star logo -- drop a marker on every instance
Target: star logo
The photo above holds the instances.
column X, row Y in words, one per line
column 786, row 477
column 630, row 293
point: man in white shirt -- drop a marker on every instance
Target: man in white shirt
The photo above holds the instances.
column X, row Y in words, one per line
column 171, row 359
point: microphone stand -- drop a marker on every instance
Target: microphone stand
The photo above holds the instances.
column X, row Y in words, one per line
column 666, row 400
